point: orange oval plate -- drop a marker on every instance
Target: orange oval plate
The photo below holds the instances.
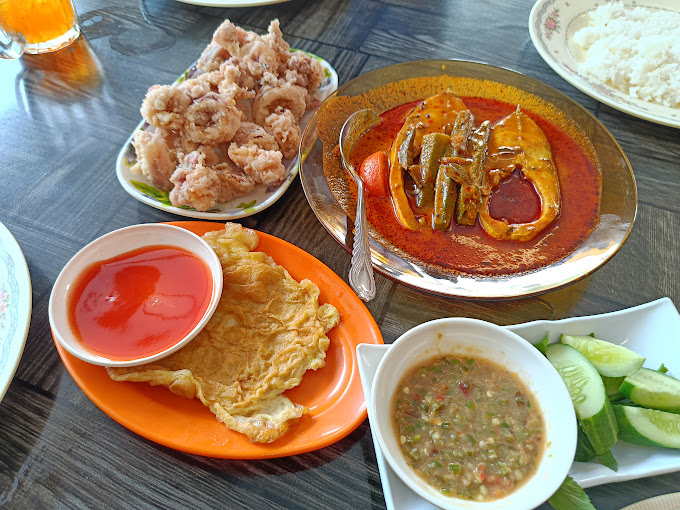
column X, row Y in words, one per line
column 333, row 394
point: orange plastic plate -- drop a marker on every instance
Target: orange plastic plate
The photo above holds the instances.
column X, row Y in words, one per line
column 333, row 393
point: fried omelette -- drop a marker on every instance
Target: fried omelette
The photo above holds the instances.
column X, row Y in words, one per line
column 267, row 331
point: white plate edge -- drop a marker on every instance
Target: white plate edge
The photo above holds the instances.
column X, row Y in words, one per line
column 653, row 503
column 366, row 375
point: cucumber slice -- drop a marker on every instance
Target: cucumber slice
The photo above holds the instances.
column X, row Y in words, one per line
column 650, row 388
column 648, row 427
column 609, row 359
column 585, row 386
column 584, row 450
column 611, row 386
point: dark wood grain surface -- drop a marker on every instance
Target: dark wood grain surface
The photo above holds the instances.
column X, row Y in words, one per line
column 65, row 116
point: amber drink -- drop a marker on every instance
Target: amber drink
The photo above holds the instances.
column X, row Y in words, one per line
column 47, row 25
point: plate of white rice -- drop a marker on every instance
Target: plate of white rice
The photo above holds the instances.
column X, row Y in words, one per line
column 624, row 54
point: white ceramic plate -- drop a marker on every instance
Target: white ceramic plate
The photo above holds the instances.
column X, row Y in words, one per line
column 652, row 329
column 470, row 337
column 257, row 200
column 231, row 3
column 15, row 306
column 552, row 24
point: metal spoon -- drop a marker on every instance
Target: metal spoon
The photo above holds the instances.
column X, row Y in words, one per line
column 361, row 270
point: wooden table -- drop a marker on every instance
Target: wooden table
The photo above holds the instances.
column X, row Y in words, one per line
column 65, row 116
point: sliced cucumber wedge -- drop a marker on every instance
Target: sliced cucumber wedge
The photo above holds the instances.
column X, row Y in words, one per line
column 584, row 450
column 651, row 388
column 585, row 386
column 648, row 427
column 609, row 359
column 611, row 386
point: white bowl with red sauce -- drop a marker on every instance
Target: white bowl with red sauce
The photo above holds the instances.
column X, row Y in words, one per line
column 469, row 339
column 135, row 295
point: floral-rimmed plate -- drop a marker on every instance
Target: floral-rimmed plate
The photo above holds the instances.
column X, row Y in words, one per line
column 15, row 306
column 257, row 200
column 664, row 502
column 552, row 24
column 651, row 329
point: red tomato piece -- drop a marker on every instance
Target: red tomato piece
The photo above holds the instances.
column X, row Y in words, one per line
column 373, row 171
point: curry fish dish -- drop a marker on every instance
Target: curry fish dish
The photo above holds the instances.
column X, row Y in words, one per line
column 476, row 178
column 440, row 151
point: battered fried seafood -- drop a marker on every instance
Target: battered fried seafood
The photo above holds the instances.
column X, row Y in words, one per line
column 252, row 134
column 195, row 182
column 267, row 331
column 247, row 105
column 212, row 119
column 155, row 158
column 164, row 107
column 261, row 165
column 287, row 133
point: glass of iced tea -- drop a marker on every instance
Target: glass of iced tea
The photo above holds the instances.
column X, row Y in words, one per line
column 47, row 25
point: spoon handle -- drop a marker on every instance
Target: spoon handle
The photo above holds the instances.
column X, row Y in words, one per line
column 361, row 270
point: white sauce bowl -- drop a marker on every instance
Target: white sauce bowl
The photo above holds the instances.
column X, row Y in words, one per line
column 116, row 243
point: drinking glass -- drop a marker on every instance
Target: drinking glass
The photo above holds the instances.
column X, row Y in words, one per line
column 46, row 25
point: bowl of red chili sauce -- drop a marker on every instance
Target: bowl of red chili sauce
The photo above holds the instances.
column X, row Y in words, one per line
column 470, row 415
column 135, row 295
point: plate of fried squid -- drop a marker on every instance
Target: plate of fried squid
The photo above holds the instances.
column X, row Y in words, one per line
column 222, row 141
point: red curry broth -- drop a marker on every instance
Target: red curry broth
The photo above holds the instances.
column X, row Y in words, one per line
column 469, row 249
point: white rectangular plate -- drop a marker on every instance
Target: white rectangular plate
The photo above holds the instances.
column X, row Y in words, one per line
column 652, row 329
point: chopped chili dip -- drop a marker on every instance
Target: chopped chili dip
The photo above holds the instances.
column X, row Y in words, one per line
column 468, row 427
